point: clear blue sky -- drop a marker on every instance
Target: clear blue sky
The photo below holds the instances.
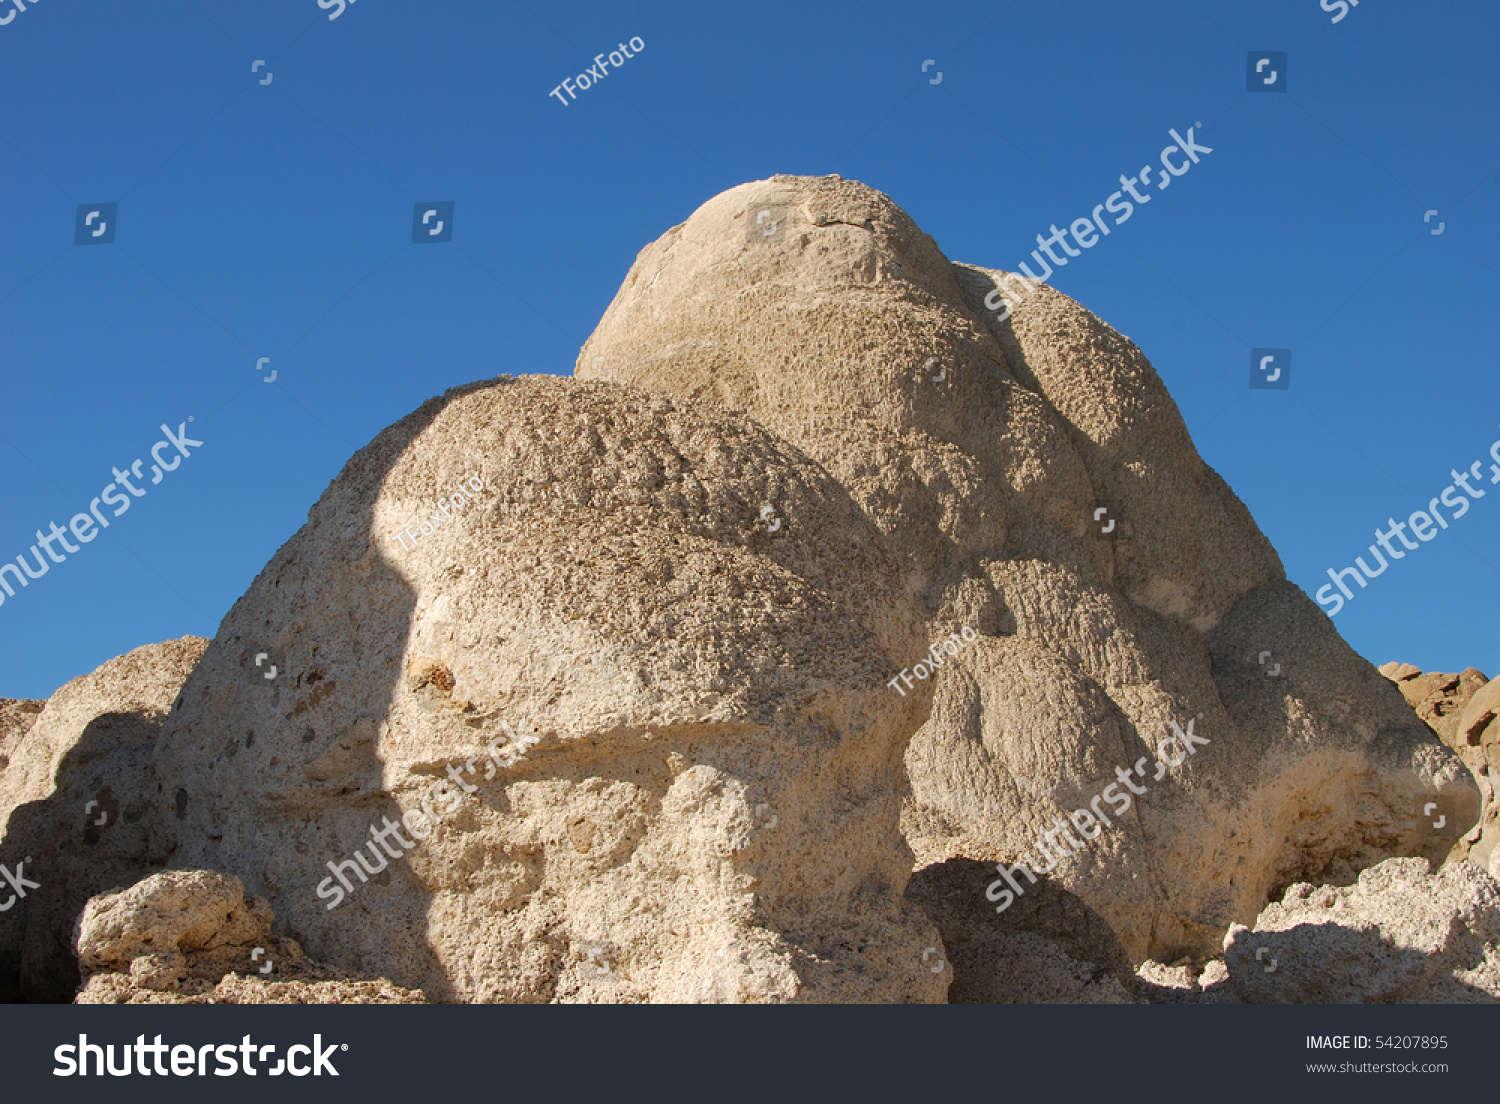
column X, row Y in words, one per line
column 275, row 220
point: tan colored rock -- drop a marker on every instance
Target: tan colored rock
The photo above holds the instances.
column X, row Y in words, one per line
column 1187, row 983
column 688, row 631
column 1040, row 487
column 1477, row 725
column 1025, row 968
column 168, row 914
column 17, row 715
column 1460, row 709
column 1440, row 699
column 192, row 937
column 82, row 812
column 1399, row 935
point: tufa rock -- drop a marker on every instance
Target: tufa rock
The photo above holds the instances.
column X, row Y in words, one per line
column 1026, row 968
column 1476, row 726
column 192, row 937
column 82, row 811
column 1461, row 709
column 17, row 715
column 1039, row 486
column 1399, row 935
column 1437, row 698
column 624, row 696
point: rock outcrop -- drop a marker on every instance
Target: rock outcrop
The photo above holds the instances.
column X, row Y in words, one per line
column 1040, row 487
column 601, row 690
column 1462, row 709
column 82, row 812
column 1399, row 935
column 606, row 673
column 192, row 937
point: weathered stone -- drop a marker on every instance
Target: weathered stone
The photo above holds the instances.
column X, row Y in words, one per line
column 688, row 634
column 1399, row 935
column 1460, row 709
column 17, row 715
column 1477, row 724
column 1040, row 487
column 192, row 937
column 81, row 809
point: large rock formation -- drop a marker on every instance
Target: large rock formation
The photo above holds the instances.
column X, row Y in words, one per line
column 606, row 673
column 1041, row 488
column 82, row 812
column 580, row 691
column 1399, row 935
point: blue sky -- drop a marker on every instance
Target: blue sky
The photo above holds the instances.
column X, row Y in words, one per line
column 275, row 220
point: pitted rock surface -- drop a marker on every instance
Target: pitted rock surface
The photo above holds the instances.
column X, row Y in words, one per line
column 642, row 719
column 192, row 937
column 1399, row 935
column 82, row 812
column 983, row 441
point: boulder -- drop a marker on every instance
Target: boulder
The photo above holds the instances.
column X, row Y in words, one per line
column 606, row 673
column 1399, row 935
column 82, row 812
column 1187, row 983
column 192, row 937
column 1040, row 488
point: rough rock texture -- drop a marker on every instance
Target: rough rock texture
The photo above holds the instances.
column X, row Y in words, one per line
column 1049, row 948
column 1439, row 699
column 697, row 624
column 17, row 715
column 1026, row 968
column 1188, row 983
column 1479, row 724
column 192, row 937
column 82, row 811
column 1400, row 935
column 1041, row 488
column 1461, row 709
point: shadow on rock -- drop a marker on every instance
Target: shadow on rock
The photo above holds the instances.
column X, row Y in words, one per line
column 1047, row 947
